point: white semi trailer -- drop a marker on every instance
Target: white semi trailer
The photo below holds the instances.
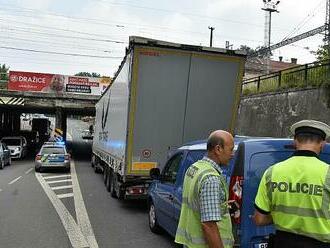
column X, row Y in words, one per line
column 163, row 95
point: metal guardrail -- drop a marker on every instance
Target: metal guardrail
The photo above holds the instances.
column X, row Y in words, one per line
column 313, row 74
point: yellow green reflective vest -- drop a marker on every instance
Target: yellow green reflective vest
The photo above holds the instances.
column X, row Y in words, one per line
column 189, row 232
column 296, row 192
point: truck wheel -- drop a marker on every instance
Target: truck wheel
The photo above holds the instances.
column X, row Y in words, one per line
column 113, row 181
column 93, row 161
column 153, row 222
column 96, row 168
column 105, row 175
column 108, row 182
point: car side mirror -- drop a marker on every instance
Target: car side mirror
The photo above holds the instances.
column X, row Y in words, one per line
column 154, row 173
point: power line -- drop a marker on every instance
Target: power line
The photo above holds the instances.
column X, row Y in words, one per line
column 59, row 53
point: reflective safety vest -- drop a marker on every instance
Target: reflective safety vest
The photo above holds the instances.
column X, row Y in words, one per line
column 297, row 194
column 189, row 230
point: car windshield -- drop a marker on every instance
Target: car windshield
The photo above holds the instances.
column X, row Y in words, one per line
column 53, row 150
column 12, row 142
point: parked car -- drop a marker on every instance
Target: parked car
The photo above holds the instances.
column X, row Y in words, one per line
column 17, row 145
column 252, row 158
column 5, row 158
column 52, row 156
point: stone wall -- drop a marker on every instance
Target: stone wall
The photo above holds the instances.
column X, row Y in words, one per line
column 273, row 114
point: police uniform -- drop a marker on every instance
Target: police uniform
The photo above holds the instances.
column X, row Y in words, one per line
column 296, row 192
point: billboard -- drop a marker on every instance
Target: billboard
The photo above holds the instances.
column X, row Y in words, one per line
column 56, row 83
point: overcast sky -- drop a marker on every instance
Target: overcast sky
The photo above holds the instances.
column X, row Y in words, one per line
column 31, row 31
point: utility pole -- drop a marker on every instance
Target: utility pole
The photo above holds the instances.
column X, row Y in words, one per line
column 269, row 8
column 327, row 30
column 211, row 35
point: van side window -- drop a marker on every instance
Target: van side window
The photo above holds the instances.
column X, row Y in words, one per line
column 171, row 169
column 192, row 157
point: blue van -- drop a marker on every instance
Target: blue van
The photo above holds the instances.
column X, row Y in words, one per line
column 252, row 157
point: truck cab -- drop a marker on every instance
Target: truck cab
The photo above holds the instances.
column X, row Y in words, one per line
column 252, row 157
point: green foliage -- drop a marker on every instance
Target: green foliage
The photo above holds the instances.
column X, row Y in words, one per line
column 88, row 74
column 3, row 76
column 310, row 75
column 322, row 53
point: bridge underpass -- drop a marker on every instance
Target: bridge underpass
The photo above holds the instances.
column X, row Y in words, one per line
column 14, row 103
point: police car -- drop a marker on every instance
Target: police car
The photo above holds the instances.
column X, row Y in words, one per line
column 52, row 155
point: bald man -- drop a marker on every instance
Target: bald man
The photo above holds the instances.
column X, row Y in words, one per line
column 204, row 219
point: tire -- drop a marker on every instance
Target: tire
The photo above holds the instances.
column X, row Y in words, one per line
column 153, row 222
column 9, row 161
column 93, row 161
column 2, row 164
column 105, row 175
column 108, row 182
column 113, row 191
column 96, row 168
column 37, row 169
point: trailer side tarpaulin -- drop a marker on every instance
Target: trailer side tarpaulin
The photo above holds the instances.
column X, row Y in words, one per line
column 56, row 83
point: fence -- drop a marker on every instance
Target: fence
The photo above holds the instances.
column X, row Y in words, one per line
column 313, row 74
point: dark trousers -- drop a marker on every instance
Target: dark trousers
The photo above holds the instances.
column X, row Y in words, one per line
column 290, row 240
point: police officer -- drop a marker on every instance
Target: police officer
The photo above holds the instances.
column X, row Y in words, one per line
column 205, row 220
column 294, row 194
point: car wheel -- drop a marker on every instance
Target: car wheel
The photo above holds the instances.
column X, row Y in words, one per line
column 96, row 168
column 2, row 164
column 9, row 161
column 153, row 222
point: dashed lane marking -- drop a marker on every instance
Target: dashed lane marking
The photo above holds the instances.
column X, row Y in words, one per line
column 59, row 181
column 67, row 195
column 62, row 187
column 28, row 171
column 59, row 176
column 15, row 180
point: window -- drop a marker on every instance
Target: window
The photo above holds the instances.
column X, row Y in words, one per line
column 52, row 150
column 171, row 169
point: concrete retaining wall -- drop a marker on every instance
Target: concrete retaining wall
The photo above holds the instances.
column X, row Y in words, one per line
column 273, row 114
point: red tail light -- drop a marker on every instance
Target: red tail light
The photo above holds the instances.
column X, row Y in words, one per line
column 235, row 198
column 38, row 157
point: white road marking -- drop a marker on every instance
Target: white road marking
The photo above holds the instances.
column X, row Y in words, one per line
column 28, row 171
column 59, row 176
column 59, row 181
column 67, row 195
column 81, row 233
column 76, row 237
column 15, row 180
column 82, row 216
column 62, row 187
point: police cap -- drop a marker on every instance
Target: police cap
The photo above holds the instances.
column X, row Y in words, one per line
column 311, row 127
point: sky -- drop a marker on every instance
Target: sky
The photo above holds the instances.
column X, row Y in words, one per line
column 70, row 36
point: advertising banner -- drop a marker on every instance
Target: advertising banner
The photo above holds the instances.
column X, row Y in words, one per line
column 56, row 83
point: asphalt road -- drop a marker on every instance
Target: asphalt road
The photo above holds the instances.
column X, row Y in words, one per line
column 57, row 209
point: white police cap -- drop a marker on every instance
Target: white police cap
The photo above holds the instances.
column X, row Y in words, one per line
column 311, row 126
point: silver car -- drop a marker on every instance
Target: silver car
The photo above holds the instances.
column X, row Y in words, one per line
column 52, row 156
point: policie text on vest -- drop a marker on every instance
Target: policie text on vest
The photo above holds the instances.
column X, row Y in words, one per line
column 304, row 188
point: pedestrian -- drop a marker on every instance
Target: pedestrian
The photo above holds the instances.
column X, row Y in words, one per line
column 294, row 194
column 204, row 219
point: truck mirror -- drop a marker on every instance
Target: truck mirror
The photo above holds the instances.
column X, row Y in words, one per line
column 154, row 173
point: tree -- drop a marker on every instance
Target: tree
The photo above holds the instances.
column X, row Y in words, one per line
column 3, row 73
column 88, row 74
column 322, row 53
